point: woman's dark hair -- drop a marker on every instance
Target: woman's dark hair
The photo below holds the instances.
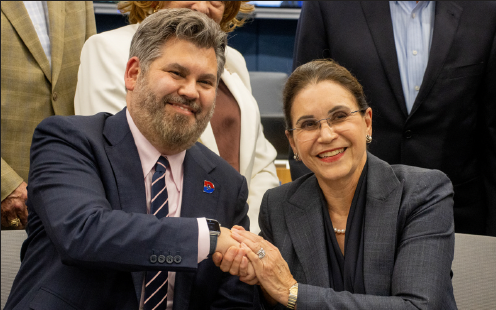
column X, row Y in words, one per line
column 315, row 72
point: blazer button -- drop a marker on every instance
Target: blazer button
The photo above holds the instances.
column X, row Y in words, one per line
column 408, row 134
column 54, row 96
column 177, row 259
column 161, row 259
column 169, row 259
column 153, row 259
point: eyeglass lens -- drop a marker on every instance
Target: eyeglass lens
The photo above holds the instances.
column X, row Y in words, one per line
column 309, row 129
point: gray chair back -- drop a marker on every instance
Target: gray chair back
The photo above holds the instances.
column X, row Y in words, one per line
column 474, row 272
column 267, row 89
column 11, row 259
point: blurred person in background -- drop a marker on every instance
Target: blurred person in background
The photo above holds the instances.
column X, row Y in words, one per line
column 41, row 44
column 234, row 132
column 428, row 69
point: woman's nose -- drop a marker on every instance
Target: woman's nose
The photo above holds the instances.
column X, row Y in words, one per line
column 201, row 6
column 326, row 133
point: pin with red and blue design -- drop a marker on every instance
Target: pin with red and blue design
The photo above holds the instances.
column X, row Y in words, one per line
column 208, row 187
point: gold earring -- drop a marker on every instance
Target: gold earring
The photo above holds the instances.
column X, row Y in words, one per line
column 157, row 7
column 368, row 138
column 296, row 157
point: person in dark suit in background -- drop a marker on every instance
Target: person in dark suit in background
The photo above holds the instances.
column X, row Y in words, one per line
column 358, row 233
column 428, row 70
column 117, row 203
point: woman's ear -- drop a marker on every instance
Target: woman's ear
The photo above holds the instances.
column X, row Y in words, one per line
column 368, row 120
column 132, row 72
column 290, row 137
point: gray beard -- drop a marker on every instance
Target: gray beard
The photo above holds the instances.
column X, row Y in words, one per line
column 170, row 131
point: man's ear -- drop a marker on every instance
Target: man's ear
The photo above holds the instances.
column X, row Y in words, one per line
column 132, row 72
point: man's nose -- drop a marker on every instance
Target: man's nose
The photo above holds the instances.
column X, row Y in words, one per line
column 188, row 89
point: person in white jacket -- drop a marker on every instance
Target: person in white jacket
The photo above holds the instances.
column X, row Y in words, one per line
column 234, row 132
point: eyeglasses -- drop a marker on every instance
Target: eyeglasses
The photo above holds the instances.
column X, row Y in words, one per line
column 309, row 129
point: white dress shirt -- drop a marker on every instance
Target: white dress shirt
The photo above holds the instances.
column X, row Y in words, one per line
column 413, row 24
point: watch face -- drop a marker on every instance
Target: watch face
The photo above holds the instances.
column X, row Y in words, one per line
column 213, row 225
column 294, row 290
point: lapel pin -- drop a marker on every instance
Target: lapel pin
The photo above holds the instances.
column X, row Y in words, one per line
column 208, row 187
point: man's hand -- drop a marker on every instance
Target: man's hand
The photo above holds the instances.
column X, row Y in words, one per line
column 14, row 207
column 236, row 263
column 225, row 241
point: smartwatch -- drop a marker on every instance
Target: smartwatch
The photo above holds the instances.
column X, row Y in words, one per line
column 214, row 228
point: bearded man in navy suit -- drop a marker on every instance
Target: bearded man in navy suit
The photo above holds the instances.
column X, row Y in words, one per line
column 91, row 237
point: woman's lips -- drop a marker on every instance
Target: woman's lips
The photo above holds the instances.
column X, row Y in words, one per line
column 332, row 156
column 331, row 153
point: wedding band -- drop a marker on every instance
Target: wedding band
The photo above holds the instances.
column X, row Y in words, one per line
column 261, row 253
column 15, row 222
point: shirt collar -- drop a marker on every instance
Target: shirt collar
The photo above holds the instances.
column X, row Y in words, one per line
column 149, row 155
column 413, row 5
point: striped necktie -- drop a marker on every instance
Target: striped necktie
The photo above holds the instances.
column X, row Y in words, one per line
column 156, row 281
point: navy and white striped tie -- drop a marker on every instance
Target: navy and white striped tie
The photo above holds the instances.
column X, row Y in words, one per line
column 156, row 282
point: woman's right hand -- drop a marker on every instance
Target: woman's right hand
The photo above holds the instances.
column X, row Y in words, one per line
column 272, row 271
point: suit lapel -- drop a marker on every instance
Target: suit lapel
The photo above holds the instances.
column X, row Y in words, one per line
column 303, row 215
column 195, row 204
column 446, row 20
column 56, row 16
column 18, row 16
column 126, row 165
column 383, row 200
column 378, row 16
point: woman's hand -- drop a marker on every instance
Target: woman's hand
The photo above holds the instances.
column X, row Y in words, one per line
column 272, row 271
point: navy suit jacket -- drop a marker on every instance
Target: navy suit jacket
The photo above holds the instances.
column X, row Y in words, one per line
column 89, row 237
column 452, row 125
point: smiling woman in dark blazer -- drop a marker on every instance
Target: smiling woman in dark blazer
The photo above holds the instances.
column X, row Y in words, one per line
column 357, row 233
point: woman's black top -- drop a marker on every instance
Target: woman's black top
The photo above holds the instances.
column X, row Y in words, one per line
column 346, row 272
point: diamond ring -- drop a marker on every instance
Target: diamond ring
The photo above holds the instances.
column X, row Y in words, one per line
column 261, row 253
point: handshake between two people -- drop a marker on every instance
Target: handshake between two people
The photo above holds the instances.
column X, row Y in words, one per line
column 255, row 261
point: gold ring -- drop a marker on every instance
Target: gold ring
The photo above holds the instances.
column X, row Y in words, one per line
column 15, row 222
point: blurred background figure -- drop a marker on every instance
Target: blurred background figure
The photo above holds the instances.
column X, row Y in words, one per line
column 428, row 70
column 41, row 44
column 235, row 132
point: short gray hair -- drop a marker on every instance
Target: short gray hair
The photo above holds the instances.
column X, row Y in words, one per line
column 184, row 24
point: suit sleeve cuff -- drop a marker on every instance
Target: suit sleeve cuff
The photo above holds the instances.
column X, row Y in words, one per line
column 11, row 180
column 203, row 239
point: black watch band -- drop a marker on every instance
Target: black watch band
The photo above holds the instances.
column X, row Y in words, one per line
column 213, row 244
column 214, row 228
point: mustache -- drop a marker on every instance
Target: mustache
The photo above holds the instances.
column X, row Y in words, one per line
column 191, row 103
